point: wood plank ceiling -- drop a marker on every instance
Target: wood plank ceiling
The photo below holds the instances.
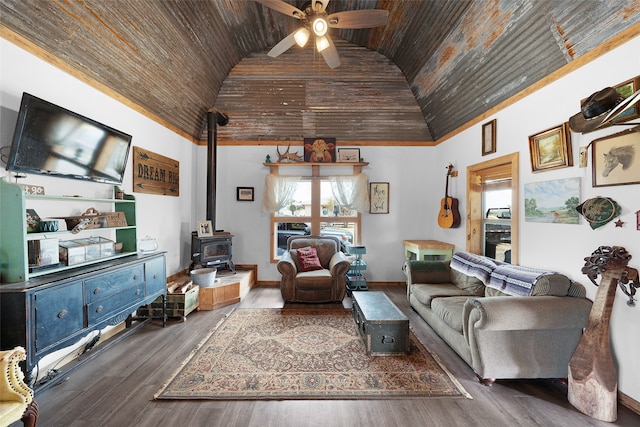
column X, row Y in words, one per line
column 435, row 67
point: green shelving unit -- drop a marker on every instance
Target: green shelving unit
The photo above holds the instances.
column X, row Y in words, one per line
column 14, row 265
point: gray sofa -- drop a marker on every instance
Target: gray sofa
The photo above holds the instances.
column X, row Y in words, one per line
column 504, row 321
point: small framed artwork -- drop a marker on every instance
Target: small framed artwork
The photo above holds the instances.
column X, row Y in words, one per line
column 614, row 159
column 205, row 228
column 320, row 150
column 551, row 149
column 379, row 197
column 33, row 221
column 489, row 137
column 627, row 89
column 349, row 155
column 244, row 194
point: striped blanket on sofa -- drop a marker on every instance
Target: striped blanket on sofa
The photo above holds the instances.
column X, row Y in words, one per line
column 507, row 278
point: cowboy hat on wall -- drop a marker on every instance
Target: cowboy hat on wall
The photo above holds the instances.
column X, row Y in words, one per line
column 600, row 109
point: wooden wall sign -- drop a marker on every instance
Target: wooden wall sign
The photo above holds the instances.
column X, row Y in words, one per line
column 155, row 174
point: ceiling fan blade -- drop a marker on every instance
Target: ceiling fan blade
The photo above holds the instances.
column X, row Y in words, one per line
column 283, row 45
column 330, row 54
column 358, row 18
column 322, row 4
column 283, row 7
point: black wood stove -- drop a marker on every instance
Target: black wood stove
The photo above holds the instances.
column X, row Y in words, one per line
column 212, row 251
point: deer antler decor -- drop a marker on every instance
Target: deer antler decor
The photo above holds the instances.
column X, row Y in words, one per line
column 593, row 380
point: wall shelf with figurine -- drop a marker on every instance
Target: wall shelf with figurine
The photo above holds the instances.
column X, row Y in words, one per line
column 315, row 167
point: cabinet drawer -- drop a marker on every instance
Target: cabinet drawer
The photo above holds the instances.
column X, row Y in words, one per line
column 114, row 282
column 107, row 307
column 58, row 314
column 155, row 276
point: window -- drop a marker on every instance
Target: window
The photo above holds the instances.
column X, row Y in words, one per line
column 312, row 209
column 492, row 204
column 496, row 199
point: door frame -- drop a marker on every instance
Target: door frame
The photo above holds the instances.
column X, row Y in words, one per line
column 508, row 164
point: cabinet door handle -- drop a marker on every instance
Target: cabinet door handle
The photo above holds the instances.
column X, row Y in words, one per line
column 96, row 291
column 138, row 292
column 155, row 276
column 99, row 309
column 135, row 277
column 62, row 314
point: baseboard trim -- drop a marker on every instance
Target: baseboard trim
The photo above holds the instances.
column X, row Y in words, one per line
column 630, row 403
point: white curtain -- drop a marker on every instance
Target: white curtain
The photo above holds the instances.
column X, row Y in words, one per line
column 351, row 191
column 278, row 190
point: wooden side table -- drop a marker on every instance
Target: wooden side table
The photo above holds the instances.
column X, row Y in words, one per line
column 429, row 250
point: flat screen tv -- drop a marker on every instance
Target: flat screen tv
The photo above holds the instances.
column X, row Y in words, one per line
column 52, row 140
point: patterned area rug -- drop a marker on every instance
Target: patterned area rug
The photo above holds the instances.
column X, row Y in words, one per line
column 303, row 354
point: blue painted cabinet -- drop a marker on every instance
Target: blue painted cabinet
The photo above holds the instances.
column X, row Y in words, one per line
column 54, row 311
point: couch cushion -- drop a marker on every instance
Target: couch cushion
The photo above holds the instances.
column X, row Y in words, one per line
column 524, row 281
column 426, row 293
column 471, row 284
column 450, row 311
column 315, row 279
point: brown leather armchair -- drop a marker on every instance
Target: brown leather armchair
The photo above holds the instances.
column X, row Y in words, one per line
column 327, row 284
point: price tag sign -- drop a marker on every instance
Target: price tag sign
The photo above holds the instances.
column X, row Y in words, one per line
column 32, row 189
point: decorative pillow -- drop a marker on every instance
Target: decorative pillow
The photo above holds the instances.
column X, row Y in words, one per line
column 308, row 259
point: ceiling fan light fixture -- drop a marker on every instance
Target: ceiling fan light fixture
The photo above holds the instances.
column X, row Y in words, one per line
column 322, row 43
column 302, row 36
column 320, row 27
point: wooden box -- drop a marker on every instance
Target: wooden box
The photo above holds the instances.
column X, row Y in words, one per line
column 178, row 305
column 220, row 296
column 384, row 329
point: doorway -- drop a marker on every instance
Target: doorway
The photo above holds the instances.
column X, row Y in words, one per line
column 492, row 208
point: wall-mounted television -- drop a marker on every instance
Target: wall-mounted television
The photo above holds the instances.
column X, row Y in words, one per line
column 52, row 140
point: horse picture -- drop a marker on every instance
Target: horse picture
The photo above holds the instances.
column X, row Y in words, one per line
column 614, row 158
column 623, row 155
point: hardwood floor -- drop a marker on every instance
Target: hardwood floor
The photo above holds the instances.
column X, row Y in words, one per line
column 116, row 388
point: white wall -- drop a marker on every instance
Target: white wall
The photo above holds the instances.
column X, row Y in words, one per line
column 168, row 219
column 416, row 176
column 556, row 246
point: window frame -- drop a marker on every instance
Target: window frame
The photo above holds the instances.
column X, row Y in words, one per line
column 315, row 219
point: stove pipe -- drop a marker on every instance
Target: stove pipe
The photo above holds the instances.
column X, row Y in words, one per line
column 214, row 118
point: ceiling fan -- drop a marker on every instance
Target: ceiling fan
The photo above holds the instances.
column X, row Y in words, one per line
column 316, row 21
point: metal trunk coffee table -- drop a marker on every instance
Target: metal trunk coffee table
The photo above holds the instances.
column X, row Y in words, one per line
column 383, row 327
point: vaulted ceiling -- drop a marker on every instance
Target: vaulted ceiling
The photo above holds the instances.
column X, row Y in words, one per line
column 434, row 68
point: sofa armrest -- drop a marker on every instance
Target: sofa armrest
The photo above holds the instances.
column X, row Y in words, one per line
column 523, row 337
column 339, row 264
column 525, row 313
column 286, row 266
column 12, row 385
column 427, row 272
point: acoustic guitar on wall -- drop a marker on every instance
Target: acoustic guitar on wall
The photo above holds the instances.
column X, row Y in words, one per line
column 448, row 217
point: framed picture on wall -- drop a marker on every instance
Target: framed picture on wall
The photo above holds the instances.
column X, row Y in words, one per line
column 489, row 137
column 244, row 194
column 551, row 149
column 626, row 89
column 615, row 159
column 379, row 197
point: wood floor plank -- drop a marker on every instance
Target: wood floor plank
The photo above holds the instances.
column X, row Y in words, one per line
column 116, row 388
